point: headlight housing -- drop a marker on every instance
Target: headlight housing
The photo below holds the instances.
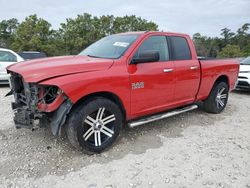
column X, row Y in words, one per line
column 47, row 94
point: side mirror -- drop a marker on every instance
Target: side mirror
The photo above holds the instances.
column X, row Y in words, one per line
column 146, row 57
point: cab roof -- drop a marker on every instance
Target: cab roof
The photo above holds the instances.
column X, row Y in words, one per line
column 153, row 32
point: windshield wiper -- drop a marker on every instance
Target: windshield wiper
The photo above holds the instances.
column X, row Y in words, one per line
column 93, row 56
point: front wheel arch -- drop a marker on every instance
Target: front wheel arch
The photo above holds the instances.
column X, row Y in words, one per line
column 108, row 95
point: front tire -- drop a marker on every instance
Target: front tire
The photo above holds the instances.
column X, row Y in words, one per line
column 217, row 100
column 94, row 126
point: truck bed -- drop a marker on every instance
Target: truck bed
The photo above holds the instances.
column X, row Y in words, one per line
column 210, row 71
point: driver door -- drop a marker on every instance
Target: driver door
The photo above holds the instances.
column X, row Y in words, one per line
column 152, row 83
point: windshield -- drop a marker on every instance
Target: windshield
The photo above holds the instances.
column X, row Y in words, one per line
column 32, row 55
column 113, row 46
column 245, row 61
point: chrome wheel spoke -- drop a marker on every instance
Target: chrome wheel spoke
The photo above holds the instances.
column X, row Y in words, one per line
column 106, row 133
column 223, row 96
column 108, row 129
column 98, row 138
column 105, row 130
column 88, row 133
column 108, row 119
column 220, row 102
column 89, row 120
column 98, row 133
column 221, row 91
column 100, row 113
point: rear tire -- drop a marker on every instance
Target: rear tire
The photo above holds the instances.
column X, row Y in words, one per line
column 94, row 126
column 217, row 100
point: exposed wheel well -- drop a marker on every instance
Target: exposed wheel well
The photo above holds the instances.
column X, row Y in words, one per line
column 107, row 95
column 222, row 78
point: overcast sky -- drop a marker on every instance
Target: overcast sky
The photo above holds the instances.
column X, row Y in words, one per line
column 186, row 16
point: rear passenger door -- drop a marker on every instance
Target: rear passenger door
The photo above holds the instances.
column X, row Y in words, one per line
column 187, row 70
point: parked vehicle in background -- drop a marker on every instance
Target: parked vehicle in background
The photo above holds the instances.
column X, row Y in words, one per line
column 27, row 55
column 243, row 81
column 7, row 57
column 132, row 78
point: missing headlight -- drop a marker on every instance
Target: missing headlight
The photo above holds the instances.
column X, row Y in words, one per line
column 47, row 94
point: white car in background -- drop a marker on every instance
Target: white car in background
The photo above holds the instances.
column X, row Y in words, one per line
column 7, row 57
column 244, row 74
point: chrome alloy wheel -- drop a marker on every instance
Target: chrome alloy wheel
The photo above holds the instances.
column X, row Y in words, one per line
column 99, row 127
column 221, row 97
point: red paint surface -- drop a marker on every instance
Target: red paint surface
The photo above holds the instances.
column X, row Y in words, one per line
column 79, row 76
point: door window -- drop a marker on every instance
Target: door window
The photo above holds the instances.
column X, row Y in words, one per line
column 180, row 48
column 155, row 43
column 7, row 57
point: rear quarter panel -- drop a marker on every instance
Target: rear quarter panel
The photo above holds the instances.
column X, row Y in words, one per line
column 212, row 70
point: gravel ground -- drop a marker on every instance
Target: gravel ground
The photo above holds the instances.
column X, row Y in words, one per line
column 194, row 149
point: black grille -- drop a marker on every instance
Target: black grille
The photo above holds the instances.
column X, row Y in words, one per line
column 17, row 86
column 243, row 85
column 242, row 77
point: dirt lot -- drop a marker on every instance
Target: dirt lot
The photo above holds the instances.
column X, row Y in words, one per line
column 195, row 149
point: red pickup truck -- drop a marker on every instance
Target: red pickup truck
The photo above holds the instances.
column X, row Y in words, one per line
column 123, row 79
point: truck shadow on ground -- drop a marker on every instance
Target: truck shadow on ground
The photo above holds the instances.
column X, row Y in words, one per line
column 38, row 153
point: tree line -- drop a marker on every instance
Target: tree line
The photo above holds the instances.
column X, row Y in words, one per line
column 37, row 34
column 230, row 44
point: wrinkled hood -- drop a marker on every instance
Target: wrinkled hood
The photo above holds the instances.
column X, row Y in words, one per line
column 45, row 68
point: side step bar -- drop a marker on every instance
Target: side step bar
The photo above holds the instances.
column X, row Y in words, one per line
column 161, row 116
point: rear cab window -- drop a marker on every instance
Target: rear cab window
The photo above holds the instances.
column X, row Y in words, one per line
column 180, row 48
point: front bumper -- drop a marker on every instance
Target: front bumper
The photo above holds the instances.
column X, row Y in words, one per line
column 243, row 85
column 29, row 109
column 25, row 118
column 24, row 106
column 243, row 81
column 4, row 78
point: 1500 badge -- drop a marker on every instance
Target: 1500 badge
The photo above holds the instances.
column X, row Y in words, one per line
column 137, row 85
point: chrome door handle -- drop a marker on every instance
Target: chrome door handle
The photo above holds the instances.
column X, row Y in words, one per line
column 167, row 70
column 194, row 67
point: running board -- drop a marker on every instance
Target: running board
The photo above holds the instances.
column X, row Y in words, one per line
column 161, row 116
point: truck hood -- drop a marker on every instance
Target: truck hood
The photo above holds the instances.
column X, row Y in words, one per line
column 45, row 68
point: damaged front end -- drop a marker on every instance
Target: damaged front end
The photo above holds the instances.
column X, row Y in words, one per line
column 38, row 105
